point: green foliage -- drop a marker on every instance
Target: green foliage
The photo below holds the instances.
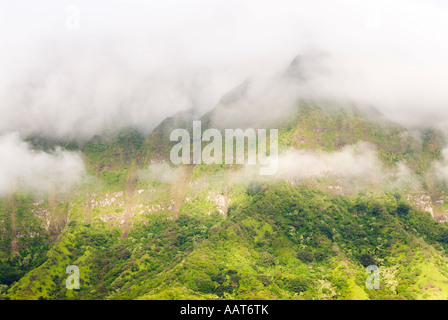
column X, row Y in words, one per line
column 367, row 260
column 298, row 285
column 403, row 208
column 305, row 256
column 112, row 157
column 267, row 260
column 281, row 241
column 444, row 236
column 205, row 236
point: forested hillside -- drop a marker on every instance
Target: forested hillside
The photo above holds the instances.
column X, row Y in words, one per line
column 141, row 228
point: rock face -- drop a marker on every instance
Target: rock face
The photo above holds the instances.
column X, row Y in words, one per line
column 295, row 70
column 436, row 207
column 135, row 232
column 235, row 95
column 221, row 201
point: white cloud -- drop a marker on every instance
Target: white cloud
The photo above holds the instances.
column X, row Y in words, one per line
column 23, row 168
column 161, row 172
column 354, row 167
column 441, row 167
column 136, row 62
column 359, row 160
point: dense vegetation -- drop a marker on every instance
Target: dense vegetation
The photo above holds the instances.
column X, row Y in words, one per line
column 142, row 230
column 277, row 241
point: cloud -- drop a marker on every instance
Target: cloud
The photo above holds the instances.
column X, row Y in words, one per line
column 441, row 167
column 354, row 167
column 161, row 172
column 135, row 63
column 354, row 161
column 23, row 168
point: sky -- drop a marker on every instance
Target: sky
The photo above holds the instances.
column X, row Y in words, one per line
column 74, row 68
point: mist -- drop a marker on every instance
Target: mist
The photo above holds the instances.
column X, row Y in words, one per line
column 441, row 167
column 134, row 63
column 22, row 168
column 354, row 168
column 75, row 69
column 160, row 172
column 357, row 166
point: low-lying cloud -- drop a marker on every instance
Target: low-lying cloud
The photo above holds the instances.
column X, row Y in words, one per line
column 354, row 167
column 354, row 161
column 135, row 63
column 22, row 168
column 160, row 172
column 441, row 167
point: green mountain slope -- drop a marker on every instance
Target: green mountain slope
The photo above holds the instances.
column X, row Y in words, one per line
column 275, row 242
column 140, row 228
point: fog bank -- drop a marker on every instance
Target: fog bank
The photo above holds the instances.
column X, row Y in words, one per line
column 72, row 69
column 22, row 168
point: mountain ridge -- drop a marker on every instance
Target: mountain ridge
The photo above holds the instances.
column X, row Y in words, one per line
column 141, row 228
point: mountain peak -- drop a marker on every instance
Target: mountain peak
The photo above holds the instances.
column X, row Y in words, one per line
column 236, row 93
column 295, row 69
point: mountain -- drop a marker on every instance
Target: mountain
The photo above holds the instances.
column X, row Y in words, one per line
column 141, row 228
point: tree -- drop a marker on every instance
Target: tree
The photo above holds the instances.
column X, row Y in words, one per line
column 444, row 236
column 403, row 208
column 367, row 259
column 297, row 284
column 305, row 256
